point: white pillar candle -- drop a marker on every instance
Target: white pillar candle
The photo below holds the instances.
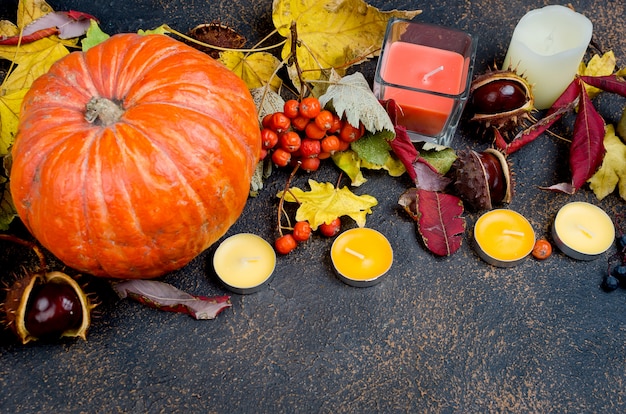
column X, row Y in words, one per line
column 547, row 47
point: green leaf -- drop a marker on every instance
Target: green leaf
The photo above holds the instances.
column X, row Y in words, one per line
column 372, row 148
column 440, row 158
column 95, row 36
column 163, row 29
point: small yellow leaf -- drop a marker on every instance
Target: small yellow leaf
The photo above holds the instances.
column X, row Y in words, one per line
column 332, row 33
column 597, row 66
column 350, row 163
column 393, row 166
column 9, row 116
column 612, row 173
column 324, row 203
column 255, row 69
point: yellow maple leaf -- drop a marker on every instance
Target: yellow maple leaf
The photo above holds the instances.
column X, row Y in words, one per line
column 256, row 69
column 597, row 66
column 8, row 29
column 332, row 33
column 30, row 10
column 29, row 62
column 612, row 173
column 9, row 116
column 324, row 203
column 34, row 64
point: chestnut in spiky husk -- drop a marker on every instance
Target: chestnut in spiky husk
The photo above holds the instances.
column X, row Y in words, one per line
column 483, row 179
column 47, row 305
column 502, row 99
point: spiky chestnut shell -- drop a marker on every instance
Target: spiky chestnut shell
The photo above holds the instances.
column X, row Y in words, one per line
column 17, row 307
column 502, row 99
column 483, row 179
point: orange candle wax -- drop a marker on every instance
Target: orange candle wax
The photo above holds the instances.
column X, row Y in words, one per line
column 361, row 256
column 503, row 237
column 427, row 68
column 244, row 262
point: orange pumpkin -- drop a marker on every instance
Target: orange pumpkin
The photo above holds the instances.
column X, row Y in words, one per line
column 134, row 157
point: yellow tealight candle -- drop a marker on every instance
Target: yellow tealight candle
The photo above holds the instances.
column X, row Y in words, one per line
column 583, row 231
column 503, row 237
column 361, row 256
column 244, row 262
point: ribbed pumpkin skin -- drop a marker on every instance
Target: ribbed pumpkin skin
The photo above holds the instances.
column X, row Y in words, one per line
column 148, row 193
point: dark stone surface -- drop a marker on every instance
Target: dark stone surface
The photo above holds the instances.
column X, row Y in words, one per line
column 438, row 335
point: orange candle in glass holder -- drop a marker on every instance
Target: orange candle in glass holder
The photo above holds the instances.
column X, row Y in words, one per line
column 427, row 68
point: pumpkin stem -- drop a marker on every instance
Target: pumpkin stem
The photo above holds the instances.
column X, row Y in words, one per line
column 103, row 111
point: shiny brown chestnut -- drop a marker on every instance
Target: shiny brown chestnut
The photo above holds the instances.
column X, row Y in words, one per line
column 502, row 99
column 47, row 305
column 483, row 179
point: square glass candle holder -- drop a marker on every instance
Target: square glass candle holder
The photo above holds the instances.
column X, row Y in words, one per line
column 427, row 70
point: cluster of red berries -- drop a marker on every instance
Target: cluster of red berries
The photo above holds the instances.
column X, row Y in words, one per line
column 305, row 132
column 301, row 232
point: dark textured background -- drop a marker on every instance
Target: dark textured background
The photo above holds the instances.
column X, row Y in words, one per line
column 438, row 335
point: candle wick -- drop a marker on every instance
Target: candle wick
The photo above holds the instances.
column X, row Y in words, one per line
column 354, row 253
column 513, row 233
column 586, row 231
column 250, row 259
column 431, row 73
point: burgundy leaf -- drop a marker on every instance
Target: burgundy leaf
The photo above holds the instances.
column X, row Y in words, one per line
column 568, row 97
column 166, row 297
column 69, row 24
column 427, row 177
column 610, row 83
column 392, row 109
column 564, row 103
column 404, row 149
column 408, row 200
column 499, row 141
column 587, row 149
column 401, row 145
column 22, row 40
column 440, row 223
column 566, row 188
column 438, row 219
column 534, row 131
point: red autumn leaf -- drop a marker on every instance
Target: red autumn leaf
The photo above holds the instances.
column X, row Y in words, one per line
column 611, row 83
column 568, row 97
column 401, row 145
column 404, row 149
column 165, row 297
column 566, row 188
column 438, row 217
column 30, row 38
column 565, row 103
column 427, row 177
column 587, row 149
column 69, row 24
